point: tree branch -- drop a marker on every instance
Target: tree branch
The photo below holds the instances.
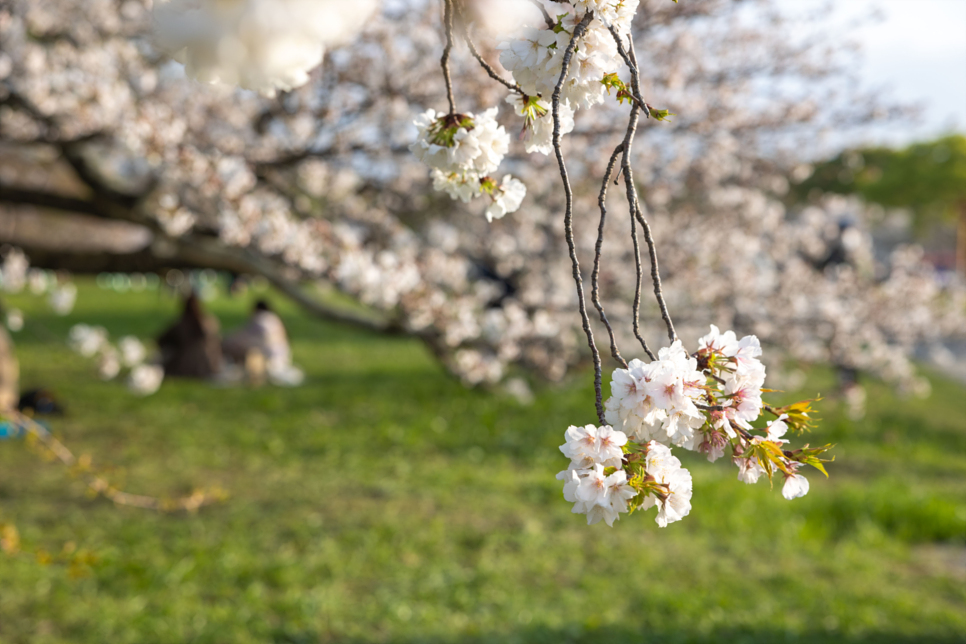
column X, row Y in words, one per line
column 569, row 209
column 14, row 195
column 444, row 61
column 209, row 252
column 595, row 290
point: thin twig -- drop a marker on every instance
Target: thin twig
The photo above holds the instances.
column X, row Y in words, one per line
column 635, row 94
column 709, row 407
column 546, row 16
column 444, row 61
column 630, row 57
column 656, row 276
column 595, row 290
column 100, row 485
column 631, row 194
column 569, row 209
column 492, row 73
column 633, row 209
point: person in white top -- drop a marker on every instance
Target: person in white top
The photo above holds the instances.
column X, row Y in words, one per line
column 262, row 347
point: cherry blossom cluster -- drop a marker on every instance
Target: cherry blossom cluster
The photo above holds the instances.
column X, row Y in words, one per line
column 283, row 179
column 13, row 271
column 536, row 62
column 144, row 378
column 602, row 483
column 262, row 45
column 463, row 150
column 14, row 320
column 16, row 274
column 704, row 402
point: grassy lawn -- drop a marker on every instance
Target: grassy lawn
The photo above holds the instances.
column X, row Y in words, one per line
column 383, row 502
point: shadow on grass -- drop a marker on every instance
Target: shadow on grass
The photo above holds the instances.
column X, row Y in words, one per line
column 619, row 635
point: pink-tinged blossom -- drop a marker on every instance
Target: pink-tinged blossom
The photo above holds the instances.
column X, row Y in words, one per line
column 609, row 443
column 717, row 341
column 628, row 385
column 666, row 469
column 581, row 445
column 675, row 354
column 620, row 495
column 719, row 420
column 659, row 458
column 571, row 478
column 749, row 469
column 605, row 496
column 677, row 505
column 666, row 389
column 616, row 14
column 589, row 445
column 745, row 354
column 593, row 488
column 640, row 428
column 459, row 186
column 745, row 402
column 681, row 427
column 713, row 444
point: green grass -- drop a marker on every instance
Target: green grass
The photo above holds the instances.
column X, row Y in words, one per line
column 383, row 502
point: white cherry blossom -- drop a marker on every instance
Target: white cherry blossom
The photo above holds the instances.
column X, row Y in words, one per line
column 537, row 132
column 263, row 45
column 145, row 379
column 62, row 298
column 507, row 198
column 749, row 469
column 132, row 351
column 795, row 486
column 87, row 340
column 677, row 505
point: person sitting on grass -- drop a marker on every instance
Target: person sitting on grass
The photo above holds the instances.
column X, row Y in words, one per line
column 9, row 373
column 262, row 348
column 191, row 347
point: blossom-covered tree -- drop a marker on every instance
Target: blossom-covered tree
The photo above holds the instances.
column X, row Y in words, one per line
column 316, row 178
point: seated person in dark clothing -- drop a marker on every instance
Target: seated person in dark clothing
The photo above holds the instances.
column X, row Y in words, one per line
column 191, row 347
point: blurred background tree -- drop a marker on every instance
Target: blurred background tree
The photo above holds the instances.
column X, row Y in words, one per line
column 383, row 501
column 927, row 178
column 316, row 186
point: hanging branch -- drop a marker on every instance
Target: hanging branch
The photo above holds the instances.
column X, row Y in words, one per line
column 546, row 16
column 444, row 61
column 595, row 290
column 630, row 58
column 656, row 275
column 569, row 209
column 492, row 73
column 631, row 195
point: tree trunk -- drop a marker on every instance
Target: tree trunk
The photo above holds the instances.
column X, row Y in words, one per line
column 9, row 372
